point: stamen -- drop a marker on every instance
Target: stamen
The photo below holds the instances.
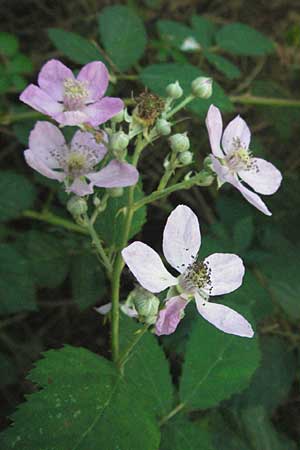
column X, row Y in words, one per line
column 75, row 94
column 196, row 276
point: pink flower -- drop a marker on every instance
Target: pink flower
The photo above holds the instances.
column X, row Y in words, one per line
column 74, row 164
column 235, row 163
column 70, row 100
column 218, row 274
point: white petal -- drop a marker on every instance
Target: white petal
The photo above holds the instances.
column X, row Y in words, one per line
column 214, row 127
column 129, row 311
column 147, row 267
column 224, row 318
column 264, row 178
column 182, row 239
column 226, row 272
column 45, row 141
column 236, row 129
column 38, row 164
column 104, row 309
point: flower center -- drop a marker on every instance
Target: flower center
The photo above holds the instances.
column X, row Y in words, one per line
column 195, row 277
column 76, row 164
column 240, row 158
column 75, row 94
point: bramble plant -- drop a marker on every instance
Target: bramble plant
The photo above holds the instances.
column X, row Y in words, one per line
column 91, row 145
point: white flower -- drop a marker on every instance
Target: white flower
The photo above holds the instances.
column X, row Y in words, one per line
column 234, row 162
column 217, row 274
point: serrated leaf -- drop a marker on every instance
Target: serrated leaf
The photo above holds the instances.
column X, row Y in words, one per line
column 204, row 30
column 181, row 434
column 17, row 291
column 112, row 220
column 88, row 280
column 240, row 39
column 223, row 65
column 157, row 76
column 123, row 35
column 147, row 368
column 19, row 195
column 74, row 46
column 84, row 404
column 216, row 366
column 9, row 44
column 174, row 32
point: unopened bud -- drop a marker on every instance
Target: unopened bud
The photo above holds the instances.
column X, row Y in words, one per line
column 163, row 127
column 185, row 158
column 119, row 141
column 174, row 90
column 207, row 164
column 146, row 305
column 77, row 206
column 202, row 87
column 179, row 142
column 118, row 118
column 115, row 192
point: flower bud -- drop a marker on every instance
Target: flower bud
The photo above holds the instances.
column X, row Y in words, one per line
column 115, row 192
column 207, row 164
column 163, row 127
column 119, row 141
column 146, row 305
column 179, row 142
column 202, row 87
column 185, row 158
column 174, row 90
column 77, row 206
column 118, row 118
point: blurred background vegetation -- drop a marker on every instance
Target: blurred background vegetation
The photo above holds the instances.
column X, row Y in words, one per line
column 49, row 279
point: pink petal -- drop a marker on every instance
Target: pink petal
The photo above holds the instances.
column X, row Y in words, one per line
column 169, row 317
column 115, row 174
column 96, row 77
column 104, row 309
column 43, row 139
column 87, row 140
column 80, row 187
column 40, row 100
column 147, row 267
column 38, row 164
column 71, row 118
column 264, row 178
column 181, row 239
column 103, row 110
column 227, row 272
column 236, row 129
column 214, row 127
column 224, row 318
column 51, row 78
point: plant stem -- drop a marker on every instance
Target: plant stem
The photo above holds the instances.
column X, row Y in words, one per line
column 97, row 243
column 7, row 119
column 172, row 413
column 267, row 101
column 181, row 105
column 168, row 173
column 52, row 219
column 124, row 357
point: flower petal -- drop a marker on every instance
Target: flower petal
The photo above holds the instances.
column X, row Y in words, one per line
column 40, row 100
column 181, row 239
column 237, row 129
column 128, row 310
column 103, row 110
column 71, row 118
column 115, row 174
column 224, row 318
column 147, row 267
column 82, row 139
column 96, row 77
column 51, row 78
column 104, row 309
column 226, row 273
column 264, row 178
column 80, row 187
column 38, row 164
column 170, row 316
column 214, row 127
column 44, row 140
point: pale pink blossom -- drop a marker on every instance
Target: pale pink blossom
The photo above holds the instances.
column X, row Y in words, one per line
column 75, row 164
column 218, row 274
column 70, row 100
column 234, row 163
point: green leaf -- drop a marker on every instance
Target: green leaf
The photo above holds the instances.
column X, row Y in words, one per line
column 88, row 280
column 20, row 64
column 112, row 220
column 19, row 82
column 19, row 195
column 23, row 129
column 204, row 30
column 17, row 291
column 223, row 65
column 157, row 76
column 173, row 32
column 225, row 437
column 48, row 259
column 181, row 434
column 123, row 35
column 216, row 366
column 74, row 46
column 241, row 39
column 9, row 44
column 147, row 368
column 84, row 404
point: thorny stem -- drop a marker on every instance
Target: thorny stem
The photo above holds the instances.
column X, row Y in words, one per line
column 97, row 243
column 52, row 219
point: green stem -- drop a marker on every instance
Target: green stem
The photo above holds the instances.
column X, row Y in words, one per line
column 52, row 219
column 168, row 173
column 181, row 105
column 97, row 243
column 7, row 119
column 267, row 101
column 124, row 357
column 172, row 413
